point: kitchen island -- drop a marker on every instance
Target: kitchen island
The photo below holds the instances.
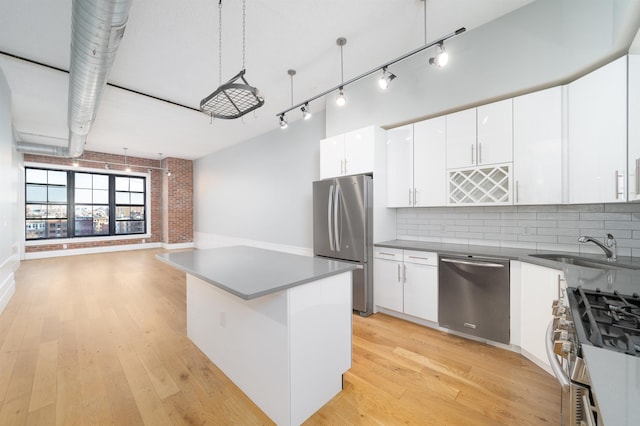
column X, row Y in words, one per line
column 277, row 324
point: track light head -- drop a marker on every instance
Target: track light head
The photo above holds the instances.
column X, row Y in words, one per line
column 385, row 79
column 168, row 172
column 75, row 163
column 341, row 100
column 442, row 57
column 306, row 112
column 283, row 122
column 106, row 166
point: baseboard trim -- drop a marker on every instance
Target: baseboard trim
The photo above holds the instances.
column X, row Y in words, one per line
column 90, row 250
column 179, row 246
column 7, row 290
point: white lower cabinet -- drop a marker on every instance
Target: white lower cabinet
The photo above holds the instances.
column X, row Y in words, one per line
column 406, row 281
column 540, row 286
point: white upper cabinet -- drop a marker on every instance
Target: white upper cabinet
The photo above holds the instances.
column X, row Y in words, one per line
column 359, row 148
column 537, row 147
column 495, row 133
column 634, row 126
column 348, row 154
column 416, row 158
column 429, row 160
column 461, row 139
column 598, row 135
column 399, row 159
column 480, row 136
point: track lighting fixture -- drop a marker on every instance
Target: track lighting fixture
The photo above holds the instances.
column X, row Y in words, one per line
column 106, row 166
column 168, row 172
column 306, row 112
column 441, row 58
column 283, row 122
column 75, row 163
column 385, row 79
column 341, row 99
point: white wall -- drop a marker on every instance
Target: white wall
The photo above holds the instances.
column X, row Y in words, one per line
column 9, row 244
column 540, row 45
column 260, row 190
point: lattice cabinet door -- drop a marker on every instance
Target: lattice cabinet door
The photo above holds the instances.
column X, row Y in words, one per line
column 490, row 185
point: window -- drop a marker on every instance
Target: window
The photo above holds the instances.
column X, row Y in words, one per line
column 46, row 204
column 129, row 205
column 97, row 205
column 91, row 204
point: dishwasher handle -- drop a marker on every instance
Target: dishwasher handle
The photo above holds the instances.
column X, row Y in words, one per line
column 472, row 263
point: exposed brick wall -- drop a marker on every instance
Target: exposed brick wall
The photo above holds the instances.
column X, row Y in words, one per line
column 181, row 187
column 179, row 204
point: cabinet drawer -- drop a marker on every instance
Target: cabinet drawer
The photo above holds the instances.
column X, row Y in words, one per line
column 420, row 257
column 387, row 253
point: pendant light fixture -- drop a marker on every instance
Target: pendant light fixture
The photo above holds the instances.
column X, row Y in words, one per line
column 126, row 162
column 236, row 97
column 341, row 100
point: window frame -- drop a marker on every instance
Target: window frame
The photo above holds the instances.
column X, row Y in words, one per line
column 71, row 225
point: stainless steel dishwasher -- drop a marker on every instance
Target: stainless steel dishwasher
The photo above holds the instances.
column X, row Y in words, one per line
column 473, row 296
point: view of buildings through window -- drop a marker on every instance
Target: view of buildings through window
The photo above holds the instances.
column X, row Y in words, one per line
column 97, row 205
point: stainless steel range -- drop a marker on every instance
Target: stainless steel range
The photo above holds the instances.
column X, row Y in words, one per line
column 607, row 320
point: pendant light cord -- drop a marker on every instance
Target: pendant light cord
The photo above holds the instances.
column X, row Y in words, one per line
column 341, row 66
column 291, row 74
column 243, row 32
column 425, row 21
column 220, row 43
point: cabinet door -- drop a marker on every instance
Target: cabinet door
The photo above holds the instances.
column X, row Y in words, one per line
column 537, row 147
column 400, row 166
column 387, row 283
column 540, row 287
column 461, row 139
column 359, row 148
column 598, row 135
column 429, row 162
column 421, row 285
column 633, row 92
column 332, row 157
column 495, row 132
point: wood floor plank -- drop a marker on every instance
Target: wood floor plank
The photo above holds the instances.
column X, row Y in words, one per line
column 117, row 324
column 43, row 392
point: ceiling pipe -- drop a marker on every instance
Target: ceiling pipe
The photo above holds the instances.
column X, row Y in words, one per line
column 97, row 26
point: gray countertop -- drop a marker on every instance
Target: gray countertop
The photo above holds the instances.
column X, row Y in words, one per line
column 250, row 272
column 615, row 377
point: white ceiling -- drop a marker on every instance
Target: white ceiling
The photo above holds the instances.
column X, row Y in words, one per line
column 170, row 51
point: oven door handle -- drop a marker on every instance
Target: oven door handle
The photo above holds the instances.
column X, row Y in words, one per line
column 556, row 366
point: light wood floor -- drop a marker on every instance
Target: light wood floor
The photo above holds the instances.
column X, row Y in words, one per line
column 100, row 339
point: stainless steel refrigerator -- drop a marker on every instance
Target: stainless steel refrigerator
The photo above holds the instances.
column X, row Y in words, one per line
column 343, row 228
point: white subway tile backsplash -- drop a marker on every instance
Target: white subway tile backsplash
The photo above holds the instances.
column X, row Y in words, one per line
column 555, row 227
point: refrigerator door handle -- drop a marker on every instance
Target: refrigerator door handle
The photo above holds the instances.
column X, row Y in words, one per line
column 329, row 218
column 336, row 217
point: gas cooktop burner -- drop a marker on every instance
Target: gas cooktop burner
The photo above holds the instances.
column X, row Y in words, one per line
column 607, row 320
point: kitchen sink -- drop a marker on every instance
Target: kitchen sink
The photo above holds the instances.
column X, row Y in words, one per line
column 581, row 261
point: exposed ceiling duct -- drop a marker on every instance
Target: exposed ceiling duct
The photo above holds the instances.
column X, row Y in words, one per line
column 97, row 26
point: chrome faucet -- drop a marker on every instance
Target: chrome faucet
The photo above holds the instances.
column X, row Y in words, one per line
column 609, row 248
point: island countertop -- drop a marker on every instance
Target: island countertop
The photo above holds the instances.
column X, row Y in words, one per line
column 250, row 272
